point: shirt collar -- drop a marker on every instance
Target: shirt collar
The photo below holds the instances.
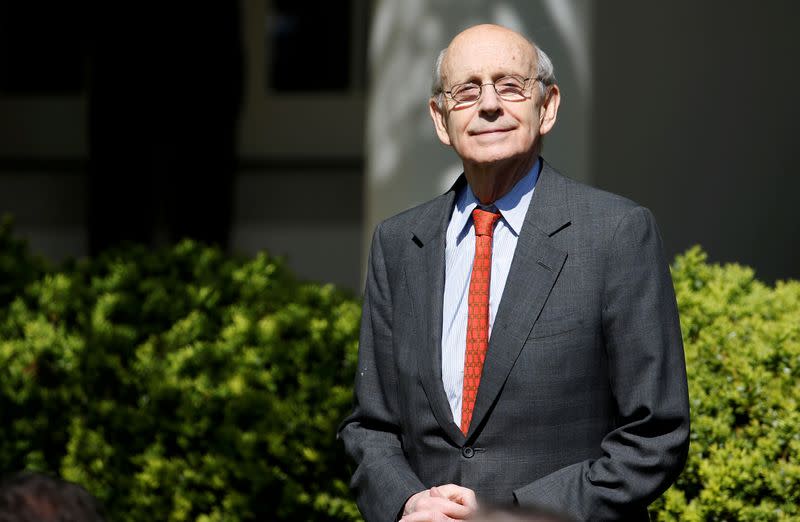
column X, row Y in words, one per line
column 512, row 206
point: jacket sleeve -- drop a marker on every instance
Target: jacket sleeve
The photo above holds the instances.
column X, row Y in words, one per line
column 647, row 373
column 383, row 479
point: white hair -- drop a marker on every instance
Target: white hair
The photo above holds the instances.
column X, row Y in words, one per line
column 544, row 73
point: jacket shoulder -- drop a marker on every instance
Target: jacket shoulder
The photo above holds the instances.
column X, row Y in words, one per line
column 596, row 214
column 587, row 199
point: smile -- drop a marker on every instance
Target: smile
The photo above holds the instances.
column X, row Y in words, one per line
column 490, row 131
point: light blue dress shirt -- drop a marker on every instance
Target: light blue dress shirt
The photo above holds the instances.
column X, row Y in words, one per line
column 459, row 254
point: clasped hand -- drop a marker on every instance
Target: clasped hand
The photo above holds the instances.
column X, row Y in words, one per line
column 440, row 504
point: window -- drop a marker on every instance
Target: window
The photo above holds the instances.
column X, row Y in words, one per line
column 315, row 47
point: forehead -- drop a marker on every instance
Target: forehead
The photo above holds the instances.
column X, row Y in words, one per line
column 484, row 54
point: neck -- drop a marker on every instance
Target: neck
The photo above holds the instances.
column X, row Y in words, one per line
column 490, row 182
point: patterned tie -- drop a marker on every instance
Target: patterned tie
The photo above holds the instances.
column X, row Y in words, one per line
column 478, row 312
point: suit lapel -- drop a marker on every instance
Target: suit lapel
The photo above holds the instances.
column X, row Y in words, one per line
column 535, row 267
column 425, row 276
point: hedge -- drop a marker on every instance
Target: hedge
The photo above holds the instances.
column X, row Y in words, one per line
column 742, row 342
column 182, row 384
column 178, row 384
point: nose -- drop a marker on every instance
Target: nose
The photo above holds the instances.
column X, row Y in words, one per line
column 489, row 101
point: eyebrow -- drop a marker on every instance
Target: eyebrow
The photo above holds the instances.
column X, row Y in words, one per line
column 473, row 78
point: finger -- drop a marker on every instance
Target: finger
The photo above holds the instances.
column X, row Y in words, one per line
column 443, row 505
column 456, row 493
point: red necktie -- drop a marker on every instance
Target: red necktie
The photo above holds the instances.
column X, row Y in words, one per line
column 478, row 312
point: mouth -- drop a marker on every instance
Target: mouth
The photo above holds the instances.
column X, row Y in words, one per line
column 490, row 131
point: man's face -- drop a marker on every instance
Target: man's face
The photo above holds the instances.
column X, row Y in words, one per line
column 491, row 129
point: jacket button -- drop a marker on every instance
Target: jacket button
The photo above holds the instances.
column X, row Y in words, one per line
column 468, row 452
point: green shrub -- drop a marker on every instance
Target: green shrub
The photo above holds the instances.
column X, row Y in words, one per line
column 178, row 384
column 742, row 342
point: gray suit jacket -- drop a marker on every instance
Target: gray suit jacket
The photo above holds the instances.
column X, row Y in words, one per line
column 582, row 405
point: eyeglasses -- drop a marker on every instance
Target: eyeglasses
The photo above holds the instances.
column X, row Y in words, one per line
column 509, row 88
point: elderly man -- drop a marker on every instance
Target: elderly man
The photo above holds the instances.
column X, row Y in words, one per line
column 520, row 339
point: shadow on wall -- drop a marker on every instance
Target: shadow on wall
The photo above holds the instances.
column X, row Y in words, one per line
column 696, row 116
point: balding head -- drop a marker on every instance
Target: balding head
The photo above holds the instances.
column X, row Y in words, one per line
column 490, row 38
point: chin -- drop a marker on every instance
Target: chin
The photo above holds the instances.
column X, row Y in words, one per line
column 495, row 156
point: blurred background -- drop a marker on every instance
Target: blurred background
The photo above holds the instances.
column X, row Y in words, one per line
column 296, row 126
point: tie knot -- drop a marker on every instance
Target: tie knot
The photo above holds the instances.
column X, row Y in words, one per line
column 484, row 221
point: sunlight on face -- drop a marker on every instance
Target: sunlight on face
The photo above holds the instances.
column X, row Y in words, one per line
column 492, row 129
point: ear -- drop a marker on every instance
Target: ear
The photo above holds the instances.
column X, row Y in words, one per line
column 439, row 121
column 549, row 109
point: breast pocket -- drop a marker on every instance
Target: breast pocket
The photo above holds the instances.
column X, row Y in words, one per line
column 553, row 327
